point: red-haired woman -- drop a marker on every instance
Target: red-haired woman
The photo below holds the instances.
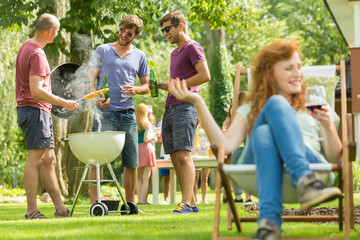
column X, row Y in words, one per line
column 281, row 133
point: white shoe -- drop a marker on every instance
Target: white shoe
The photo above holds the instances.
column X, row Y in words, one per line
column 164, row 203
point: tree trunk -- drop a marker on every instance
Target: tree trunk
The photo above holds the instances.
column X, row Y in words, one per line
column 220, row 85
column 59, row 125
column 81, row 50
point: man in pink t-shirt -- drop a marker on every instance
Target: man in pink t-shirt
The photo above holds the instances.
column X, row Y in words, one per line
column 188, row 64
column 34, row 100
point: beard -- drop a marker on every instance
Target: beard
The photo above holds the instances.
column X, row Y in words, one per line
column 174, row 39
column 124, row 43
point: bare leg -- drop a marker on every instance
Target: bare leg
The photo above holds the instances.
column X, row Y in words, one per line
column 49, row 179
column 130, row 184
column 140, row 172
column 204, row 183
column 185, row 171
column 166, row 187
column 248, row 197
column 144, row 183
column 92, row 189
column 31, row 173
column 196, row 186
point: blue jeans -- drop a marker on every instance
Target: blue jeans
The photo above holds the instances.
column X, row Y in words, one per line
column 276, row 143
column 106, row 120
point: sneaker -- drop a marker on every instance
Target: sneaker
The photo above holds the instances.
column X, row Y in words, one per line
column 239, row 200
column 182, row 208
column 267, row 231
column 35, row 215
column 312, row 191
column 164, row 203
column 195, row 209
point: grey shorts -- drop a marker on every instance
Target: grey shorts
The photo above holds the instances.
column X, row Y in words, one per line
column 36, row 125
column 178, row 127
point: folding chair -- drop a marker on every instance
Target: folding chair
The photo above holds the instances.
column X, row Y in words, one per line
column 243, row 176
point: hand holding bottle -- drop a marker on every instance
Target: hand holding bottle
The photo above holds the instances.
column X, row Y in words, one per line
column 105, row 86
column 154, row 92
column 101, row 102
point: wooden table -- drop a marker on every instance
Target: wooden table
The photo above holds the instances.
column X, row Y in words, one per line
column 199, row 162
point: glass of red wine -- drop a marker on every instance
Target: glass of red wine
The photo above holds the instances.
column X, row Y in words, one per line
column 314, row 98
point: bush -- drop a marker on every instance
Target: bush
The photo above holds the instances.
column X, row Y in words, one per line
column 14, row 192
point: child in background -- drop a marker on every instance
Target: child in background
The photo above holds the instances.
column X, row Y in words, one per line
column 146, row 152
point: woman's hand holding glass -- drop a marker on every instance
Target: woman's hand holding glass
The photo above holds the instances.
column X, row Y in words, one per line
column 314, row 95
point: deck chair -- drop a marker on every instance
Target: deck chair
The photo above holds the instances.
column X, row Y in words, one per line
column 243, row 176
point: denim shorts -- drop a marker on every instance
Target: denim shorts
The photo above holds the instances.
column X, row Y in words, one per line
column 178, row 127
column 106, row 120
column 36, row 125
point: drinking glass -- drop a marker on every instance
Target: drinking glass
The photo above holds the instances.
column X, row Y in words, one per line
column 313, row 96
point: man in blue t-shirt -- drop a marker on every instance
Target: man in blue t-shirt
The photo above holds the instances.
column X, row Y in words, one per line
column 188, row 64
column 121, row 62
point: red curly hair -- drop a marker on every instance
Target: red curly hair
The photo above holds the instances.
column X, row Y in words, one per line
column 263, row 82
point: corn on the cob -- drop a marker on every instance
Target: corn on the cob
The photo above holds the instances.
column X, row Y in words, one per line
column 95, row 94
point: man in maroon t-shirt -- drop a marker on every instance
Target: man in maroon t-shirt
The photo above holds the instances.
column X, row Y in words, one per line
column 188, row 64
column 34, row 99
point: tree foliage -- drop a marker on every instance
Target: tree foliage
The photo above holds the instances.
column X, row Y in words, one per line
column 12, row 148
column 249, row 25
column 220, row 13
column 315, row 29
column 217, row 16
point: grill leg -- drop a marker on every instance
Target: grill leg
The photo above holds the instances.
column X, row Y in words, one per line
column 117, row 185
column 78, row 190
column 98, row 184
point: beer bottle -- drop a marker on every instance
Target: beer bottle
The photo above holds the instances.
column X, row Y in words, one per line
column 154, row 92
column 105, row 85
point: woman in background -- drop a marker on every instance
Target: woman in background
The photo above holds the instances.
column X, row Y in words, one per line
column 146, row 152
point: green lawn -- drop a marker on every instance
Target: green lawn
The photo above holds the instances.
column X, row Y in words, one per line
column 157, row 223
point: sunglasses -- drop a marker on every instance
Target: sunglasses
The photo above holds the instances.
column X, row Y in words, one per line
column 127, row 34
column 167, row 28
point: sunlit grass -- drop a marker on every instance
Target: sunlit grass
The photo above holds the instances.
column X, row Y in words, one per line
column 156, row 223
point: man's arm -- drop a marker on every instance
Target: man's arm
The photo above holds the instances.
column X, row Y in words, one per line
column 39, row 93
column 93, row 72
column 202, row 76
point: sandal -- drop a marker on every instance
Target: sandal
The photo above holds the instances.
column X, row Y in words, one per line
column 35, row 215
column 62, row 214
